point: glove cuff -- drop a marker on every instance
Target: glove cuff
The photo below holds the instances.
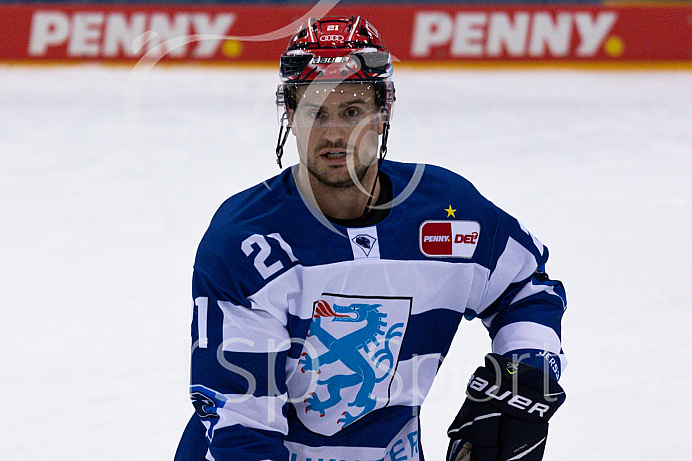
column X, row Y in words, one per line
column 516, row 389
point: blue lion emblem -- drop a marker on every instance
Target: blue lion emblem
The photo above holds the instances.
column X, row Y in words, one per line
column 347, row 350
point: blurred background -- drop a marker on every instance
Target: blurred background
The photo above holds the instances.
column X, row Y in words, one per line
column 124, row 125
column 452, row 32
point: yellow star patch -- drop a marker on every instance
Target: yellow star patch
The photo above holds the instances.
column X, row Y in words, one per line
column 450, row 211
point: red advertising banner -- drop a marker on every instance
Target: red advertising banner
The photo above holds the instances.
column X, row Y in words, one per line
column 413, row 33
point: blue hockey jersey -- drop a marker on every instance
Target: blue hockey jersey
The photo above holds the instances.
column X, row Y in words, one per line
column 313, row 341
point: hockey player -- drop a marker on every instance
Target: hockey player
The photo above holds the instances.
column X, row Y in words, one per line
column 326, row 298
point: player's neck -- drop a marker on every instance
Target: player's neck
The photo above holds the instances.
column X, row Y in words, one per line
column 338, row 202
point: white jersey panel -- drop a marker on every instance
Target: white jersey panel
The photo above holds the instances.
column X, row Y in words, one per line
column 431, row 284
column 526, row 335
column 263, row 413
column 515, row 264
column 249, row 330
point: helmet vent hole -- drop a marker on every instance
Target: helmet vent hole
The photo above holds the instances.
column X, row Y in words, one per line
column 364, row 31
column 344, row 73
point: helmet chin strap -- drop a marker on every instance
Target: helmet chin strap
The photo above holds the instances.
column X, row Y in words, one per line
column 283, row 135
column 383, row 145
column 383, row 153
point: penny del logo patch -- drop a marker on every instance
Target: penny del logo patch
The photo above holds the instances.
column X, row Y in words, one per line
column 449, row 239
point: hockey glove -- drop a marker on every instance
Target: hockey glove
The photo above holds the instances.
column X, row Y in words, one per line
column 505, row 414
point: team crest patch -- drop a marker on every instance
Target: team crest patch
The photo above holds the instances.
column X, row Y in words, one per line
column 349, row 359
column 364, row 242
column 449, row 239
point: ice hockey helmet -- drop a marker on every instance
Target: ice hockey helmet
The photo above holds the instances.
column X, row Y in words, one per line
column 335, row 49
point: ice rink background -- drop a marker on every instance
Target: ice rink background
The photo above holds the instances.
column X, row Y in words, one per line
column 101, row 212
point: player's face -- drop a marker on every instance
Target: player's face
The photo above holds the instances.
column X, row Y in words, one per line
column 336, row 129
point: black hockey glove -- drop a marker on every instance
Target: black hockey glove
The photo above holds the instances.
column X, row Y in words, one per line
column 505, row 414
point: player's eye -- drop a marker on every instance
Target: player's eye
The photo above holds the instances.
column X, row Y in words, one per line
column 317, row 115
column 352, row 115
column 352, row 112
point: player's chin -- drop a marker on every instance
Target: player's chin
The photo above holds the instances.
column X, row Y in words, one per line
column 339, row 182
column 335, row 177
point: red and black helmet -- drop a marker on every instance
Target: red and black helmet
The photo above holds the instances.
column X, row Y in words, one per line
column 334, row 50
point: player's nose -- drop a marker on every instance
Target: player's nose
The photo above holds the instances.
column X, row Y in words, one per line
column 334, row 132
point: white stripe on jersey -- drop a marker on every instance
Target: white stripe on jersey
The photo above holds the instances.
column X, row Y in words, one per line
column 276, row 296
column 531, row 289
column 435, row 284
column 539, row 246
column 253, row 412
column 515, row 264
column 251, row 330
column 526, row 335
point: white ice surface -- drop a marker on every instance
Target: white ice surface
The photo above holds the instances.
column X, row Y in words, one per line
column 101, row 212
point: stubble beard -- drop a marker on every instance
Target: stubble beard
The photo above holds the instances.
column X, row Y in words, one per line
column 338, row 179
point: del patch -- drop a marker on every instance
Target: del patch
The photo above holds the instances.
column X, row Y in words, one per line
column 449, row 239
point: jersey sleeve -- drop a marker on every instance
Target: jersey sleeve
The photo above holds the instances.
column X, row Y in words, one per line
column 238, row 382
column 522, row 307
